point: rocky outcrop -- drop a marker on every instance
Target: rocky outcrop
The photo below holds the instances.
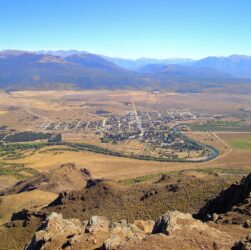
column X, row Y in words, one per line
column 172, row 187
column 116, row 200
column 67, row 196
column 58, row 233
column 148, row 194
column 163, row 178
column 182, row 225
column 243, row 244
column 97, row 224
column 66, row 177
column 233, row 205
column 100, row 233
column 145, row 225
column 234, row 195
column 25, row 217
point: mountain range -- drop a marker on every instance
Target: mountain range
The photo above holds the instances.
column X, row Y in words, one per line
column 83, row 70
column 22, row 70
column 237, row 65
column 137, row 64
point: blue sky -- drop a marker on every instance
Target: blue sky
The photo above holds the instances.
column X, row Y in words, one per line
column 129, row 28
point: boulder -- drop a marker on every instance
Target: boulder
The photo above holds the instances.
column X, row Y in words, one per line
column 112, row 243
column 181, row 225
column 58, row 233
column 247, row 224
column 121, row 232
column 148, row 194
column 164, row 177
column 145, row 226
column 173, row 230
column 172, row 188
column 97, row 224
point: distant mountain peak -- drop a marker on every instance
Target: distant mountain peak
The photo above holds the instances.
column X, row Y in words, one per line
column 237, row 65
column 83, row 70
column 12, row 52
column 62, row 53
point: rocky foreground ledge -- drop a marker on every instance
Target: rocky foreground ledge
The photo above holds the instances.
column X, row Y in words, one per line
column 173, row 230
column 221, row 222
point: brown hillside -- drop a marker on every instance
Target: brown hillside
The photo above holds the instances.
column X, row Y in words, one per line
column 232, row 205
column 66, row 177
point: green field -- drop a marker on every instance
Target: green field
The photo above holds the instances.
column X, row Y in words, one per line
column 241, row 143
column 19, row 171
column 236, row 126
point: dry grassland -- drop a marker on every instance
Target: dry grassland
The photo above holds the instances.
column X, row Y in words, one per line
column 35, row 199
column 71, row 105
column 102, row 166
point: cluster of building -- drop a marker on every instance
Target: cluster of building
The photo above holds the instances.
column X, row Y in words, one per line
column 129, row 122
column 152, row 128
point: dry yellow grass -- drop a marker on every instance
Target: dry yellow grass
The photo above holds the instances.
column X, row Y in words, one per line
column 70, row 105
column 103, row 166
column 35, row 199
column 128, row 146
column 6, row 181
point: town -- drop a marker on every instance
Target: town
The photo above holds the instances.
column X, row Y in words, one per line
column 157, row 131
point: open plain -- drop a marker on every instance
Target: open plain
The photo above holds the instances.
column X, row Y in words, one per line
column 190, row 145
column 31, row 110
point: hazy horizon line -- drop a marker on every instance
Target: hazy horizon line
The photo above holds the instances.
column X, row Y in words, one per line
column 121, row 57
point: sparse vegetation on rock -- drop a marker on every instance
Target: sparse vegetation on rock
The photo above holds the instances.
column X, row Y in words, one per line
column 100, row 233
column 232, row 205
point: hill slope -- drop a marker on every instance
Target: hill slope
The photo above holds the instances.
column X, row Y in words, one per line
column 233, row 205
column 66, row 177
column 137, row 64
column 184, row 78
column 237, row 65
column 82, row 70
column 24, row 70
